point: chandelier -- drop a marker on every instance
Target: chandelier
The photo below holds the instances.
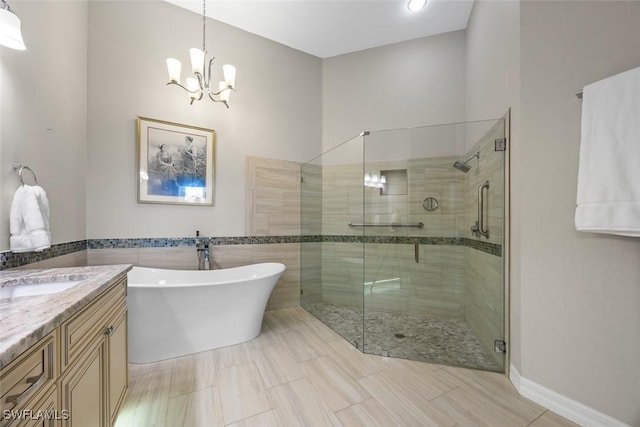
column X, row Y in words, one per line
column 200, row 84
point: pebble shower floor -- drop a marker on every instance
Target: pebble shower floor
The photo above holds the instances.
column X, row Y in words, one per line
column 421, row 338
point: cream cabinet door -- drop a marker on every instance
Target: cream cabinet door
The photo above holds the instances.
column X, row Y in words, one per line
column 118, row 366
column 82, row 390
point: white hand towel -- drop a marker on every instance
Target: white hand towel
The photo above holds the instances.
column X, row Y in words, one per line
column 29, row 220
column 608, row 198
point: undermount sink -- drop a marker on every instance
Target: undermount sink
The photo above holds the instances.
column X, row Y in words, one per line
column 35, row 289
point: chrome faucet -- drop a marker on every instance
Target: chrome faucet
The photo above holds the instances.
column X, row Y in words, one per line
column 207, row 260
column 200, row 250
column 204, row 256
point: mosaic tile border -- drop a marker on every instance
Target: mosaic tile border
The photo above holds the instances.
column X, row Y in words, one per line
column 487, row 247
column 12, row 260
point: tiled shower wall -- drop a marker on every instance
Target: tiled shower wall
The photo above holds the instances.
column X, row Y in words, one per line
column 434, row 285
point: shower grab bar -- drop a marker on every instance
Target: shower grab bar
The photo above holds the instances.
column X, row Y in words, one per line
column 479, row 229
column 392, row 224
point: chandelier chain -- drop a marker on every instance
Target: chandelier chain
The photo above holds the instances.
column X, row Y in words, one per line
column 204, row 24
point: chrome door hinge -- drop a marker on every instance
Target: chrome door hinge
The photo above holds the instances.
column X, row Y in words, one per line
column 501, row 144
column 500, row 346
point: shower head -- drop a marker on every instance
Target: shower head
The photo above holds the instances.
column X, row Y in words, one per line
column 463, row 166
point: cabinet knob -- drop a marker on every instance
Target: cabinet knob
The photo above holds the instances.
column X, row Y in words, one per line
column 109, row 330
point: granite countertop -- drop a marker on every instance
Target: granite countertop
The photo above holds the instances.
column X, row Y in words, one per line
column 25, row 320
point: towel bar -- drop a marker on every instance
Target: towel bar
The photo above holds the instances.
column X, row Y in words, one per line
column 21, row 168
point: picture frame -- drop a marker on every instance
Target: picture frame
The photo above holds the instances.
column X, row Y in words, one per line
column 175, row 162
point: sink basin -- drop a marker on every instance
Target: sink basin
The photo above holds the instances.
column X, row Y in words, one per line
column 35, row 289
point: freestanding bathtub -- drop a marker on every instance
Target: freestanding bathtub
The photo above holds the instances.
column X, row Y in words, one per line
column 177, row 312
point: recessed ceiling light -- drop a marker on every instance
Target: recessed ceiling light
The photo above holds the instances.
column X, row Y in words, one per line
column 416, row 5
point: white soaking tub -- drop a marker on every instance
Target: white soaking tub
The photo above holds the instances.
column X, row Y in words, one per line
column 177, row 312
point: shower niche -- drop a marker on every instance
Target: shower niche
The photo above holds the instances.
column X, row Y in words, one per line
column 391, row 276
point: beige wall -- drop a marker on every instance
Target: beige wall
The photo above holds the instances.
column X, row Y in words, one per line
column 43, row 113
column 406, row 84
column 580, row 292
column 275, row 113
column 492, row 87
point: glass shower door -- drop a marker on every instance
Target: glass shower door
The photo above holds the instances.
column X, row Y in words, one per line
column 433, row 289
column 332, row 251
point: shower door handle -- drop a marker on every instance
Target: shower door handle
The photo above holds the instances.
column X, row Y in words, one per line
column 482, row 230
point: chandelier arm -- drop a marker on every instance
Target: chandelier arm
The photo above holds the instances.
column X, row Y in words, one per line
column 220, row 91
column 202, row 81
column 210, row 65
column 218, row 100
column 183, row 87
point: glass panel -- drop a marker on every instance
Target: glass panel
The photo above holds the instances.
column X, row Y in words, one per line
column 332, row 251
column 435, row 293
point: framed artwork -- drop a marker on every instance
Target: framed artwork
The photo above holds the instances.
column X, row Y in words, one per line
column 176, row 163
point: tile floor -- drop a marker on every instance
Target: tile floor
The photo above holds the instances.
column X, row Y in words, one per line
column 299, row 372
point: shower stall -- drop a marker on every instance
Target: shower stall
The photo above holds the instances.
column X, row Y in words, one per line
column 403, row 242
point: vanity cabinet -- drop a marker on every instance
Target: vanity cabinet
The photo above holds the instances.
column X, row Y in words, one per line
column 93, row 361
column 77, row 375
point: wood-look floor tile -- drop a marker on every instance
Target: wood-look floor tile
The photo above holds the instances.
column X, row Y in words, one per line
column 369, row 413
column 266, row 419
column 149, row 394
column 320, row 330
column 193, row 372
column 267, row 337
column 493, row 386
column 471, row 409
column 410, row 407
column 226, row 385
column 242, row 391
column 419, row 377
column 355, row 363
column 334, row 385
column 282, row 320
column 551, row 419
column 201, row 408
column 276, row 365
column 299, row 405
column 299, row 346
column 233, row 355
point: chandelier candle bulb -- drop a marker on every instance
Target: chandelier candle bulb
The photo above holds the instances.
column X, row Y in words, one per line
column 174, row 67
column 224, row 94
column 192, row 87
column 229, row 72
column 197, row 61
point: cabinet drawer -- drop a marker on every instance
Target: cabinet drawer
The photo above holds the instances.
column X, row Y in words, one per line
column 43, row 413
column 82, row 329
column 27, row 375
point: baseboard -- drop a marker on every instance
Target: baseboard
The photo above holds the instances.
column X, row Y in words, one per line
column 561, row 405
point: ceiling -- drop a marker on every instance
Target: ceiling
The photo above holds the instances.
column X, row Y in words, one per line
column 326, row 28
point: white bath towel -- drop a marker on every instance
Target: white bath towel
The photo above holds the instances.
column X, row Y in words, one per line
column 29, row 220
column 609, row 174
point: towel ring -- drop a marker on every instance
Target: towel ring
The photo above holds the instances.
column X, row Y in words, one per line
column 21, row 168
